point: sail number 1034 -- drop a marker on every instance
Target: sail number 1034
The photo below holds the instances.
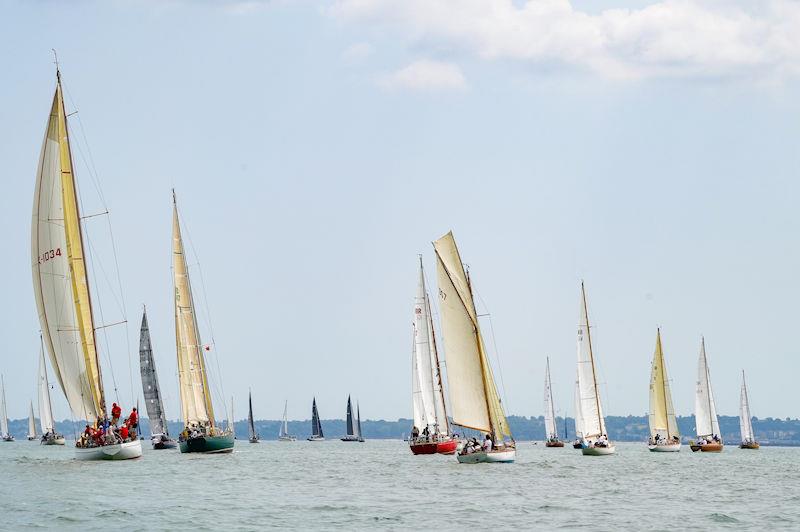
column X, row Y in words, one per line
column 49, row 255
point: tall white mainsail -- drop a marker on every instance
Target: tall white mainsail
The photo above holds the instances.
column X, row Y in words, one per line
column 589, row 394
column 196, row 405
column 578, row 414
column 3, row 414
column 705, row 411
column 662, row 414
column 60, row 280
column 473, row 395
column 745, row 419
column 45, row 407
column 549, row 410
column 423, row 381
column 31, row 423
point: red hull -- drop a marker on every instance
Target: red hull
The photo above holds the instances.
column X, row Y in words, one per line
column 441, row 447
column 447, row 447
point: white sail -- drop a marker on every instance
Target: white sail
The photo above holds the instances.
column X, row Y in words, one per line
column 45, row 407
column 549, row 411
column 589, row 393
column 578, row 415
column 422, row 359
column 745, row 419
column 284, row 431
column 3, row 415
column 705, row 411
column 662, row 414
column 31, row 423
column 442, row 424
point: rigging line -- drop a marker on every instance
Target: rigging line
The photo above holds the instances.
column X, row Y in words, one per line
column 496, row 353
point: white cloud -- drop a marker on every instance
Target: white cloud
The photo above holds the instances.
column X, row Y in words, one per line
column 425, row 76
column 357, row 52
column 751, row 39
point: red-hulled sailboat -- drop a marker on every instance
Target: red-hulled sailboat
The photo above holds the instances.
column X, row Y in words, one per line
column 431, row 431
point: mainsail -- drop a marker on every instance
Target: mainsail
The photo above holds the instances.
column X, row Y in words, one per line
column 423, row 379
column 150, row 387
column 350, row 429
column 251, row 427
column 745, row 419
column 473, row 395
column 549, row 411
column 705, row 411
column 45, row 407
column 31, row 423
column 3, row 415
column 195, row 393
column 662, row 414
column 316, row 426
column 589, row 394
column 358, row 423
column 60, row 280
column 284, row 430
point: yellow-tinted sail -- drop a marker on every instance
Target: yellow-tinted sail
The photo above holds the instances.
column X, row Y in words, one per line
column 662, row 416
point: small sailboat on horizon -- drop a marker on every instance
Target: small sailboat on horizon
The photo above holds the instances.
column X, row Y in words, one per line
column 549, row 412
column 283, row 433
column 353, row 430
column 594, row 438
column 705, row 409
column 664, row 434
column 473, row 394
column 578, row 417
column 252, row 435
column 316, row 425
column 4, row 434
column 46, row 421
column 746, row 420
column 31, row 425
column 159, row 428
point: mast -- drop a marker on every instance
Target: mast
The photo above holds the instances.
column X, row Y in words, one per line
column 708, row 383
column 663, row 377
column 4, row 418
column 550, row 413
column 591, row 358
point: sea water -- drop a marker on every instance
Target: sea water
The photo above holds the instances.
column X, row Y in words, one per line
column 380, row 485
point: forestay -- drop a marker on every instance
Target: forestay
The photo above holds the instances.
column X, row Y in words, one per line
column 705, row 411
column 152, row 393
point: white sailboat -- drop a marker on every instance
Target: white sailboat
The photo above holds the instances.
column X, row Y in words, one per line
column 4, row 434
column 283, row 434
column 594, row 438
column 746, row 420
column 473, row 394
column 578, row 416
column 664, row 434
column 705, row 409
column 46, row 421
column 62, row 291
column 549, row 412
column 431, row 431
column 31, row 424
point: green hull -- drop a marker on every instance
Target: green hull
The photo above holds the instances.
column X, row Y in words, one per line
column 208, row 444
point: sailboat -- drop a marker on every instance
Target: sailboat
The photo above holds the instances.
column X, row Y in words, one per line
column 705, row 410
column 473, row 393
column 746, row 420
column 352, row 430
column 159, row 428
column 253, row 436
column 283, row 433
column 316, row 426
column 431, row 431
column 594, row 440
column 201, row 434
column 4, row 434
column 578, row 417
column 31, row 424
column 549, row 412
column 62, row 290
column 46, row 422
column 358, row 423
column 664, row 434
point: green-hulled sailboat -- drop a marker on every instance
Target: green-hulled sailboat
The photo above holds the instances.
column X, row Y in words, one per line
column 200, row 434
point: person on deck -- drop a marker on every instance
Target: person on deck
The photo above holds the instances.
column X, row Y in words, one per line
column 487, row 443
column 116, row 412
column 123, row 433
column 133, row 419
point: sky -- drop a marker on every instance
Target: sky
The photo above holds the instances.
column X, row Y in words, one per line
column 649, row 148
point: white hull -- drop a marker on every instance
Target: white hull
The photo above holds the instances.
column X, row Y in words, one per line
column 671, row 448
column 120, row 451
column 598, row 451
column 55, row 441
column 316, row 438
column 287, row 438
column 482, row 457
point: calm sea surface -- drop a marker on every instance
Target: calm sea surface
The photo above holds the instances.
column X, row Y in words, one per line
column 379, row 484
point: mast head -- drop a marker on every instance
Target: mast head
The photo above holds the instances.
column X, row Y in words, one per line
column 55, row 60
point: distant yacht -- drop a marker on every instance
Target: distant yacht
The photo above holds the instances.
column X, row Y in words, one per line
column 353, row 430
column 31, row 424
column 251, row 428
column 4, row 434
column 316, row 426
column 283, row 433
column 664, row 434
column 46, row 422
column 549, row 412
column 159, row 429
column 746, row 420
column 709, row 438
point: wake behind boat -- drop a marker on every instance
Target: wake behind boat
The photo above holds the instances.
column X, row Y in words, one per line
column 63, row 293
column 473, row 393
column 664, row 435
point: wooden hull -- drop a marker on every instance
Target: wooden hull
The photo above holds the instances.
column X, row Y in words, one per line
column 665, row 448
column 554, row 444
column 749, row 445
column 208, row 444
column 707, row 448
column 119, row 451
column 424, row 447
column 598, row 451
column 505, row 456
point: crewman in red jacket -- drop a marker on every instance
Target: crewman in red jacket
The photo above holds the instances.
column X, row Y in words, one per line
column 116, row 412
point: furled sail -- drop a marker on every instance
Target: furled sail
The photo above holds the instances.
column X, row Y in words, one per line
column 3, row 414
column 423, row 381
column 549, row 410
column 589, row 394
column 31, row 423
column 473, row 395
column 45, row 407
column 316, row 426
column 745, row 419
column 60, row 280
column 705, row 411
column 662, row 414
column 152, row 392
column 195, row 393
